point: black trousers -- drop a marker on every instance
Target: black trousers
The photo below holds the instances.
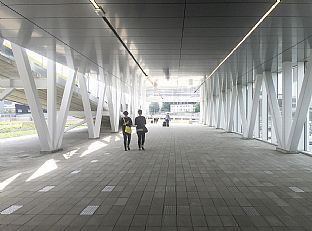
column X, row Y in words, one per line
column 141, row 138
column 127, row 139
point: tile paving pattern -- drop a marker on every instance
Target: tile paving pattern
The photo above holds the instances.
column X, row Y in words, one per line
column 190, row 178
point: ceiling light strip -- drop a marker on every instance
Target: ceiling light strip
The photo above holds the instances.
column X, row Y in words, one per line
column 97, row 7
column 243, row 40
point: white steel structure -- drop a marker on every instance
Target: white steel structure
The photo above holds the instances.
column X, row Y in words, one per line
column 271, row 105
column 253, row 59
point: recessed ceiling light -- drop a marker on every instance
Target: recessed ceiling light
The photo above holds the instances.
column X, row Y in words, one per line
column 243, row 40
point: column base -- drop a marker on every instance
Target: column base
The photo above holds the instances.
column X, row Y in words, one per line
column 229, row 132
column 286, row 151
column 246, row 138
column 52, row 151
column 95, row 138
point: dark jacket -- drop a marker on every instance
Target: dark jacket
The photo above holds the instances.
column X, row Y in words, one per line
column 125, row 121
column 140, row 122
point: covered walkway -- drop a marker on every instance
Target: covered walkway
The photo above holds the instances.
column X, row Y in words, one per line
column 190, row 177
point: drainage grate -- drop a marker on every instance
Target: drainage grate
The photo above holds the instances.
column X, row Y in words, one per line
column 11, row 209
column 89, row 210
column 251, row 211
column 46, row 188
column 75, row 172
column 94, row 161
column 296, row 189
column 170, row 210
column 108, row 188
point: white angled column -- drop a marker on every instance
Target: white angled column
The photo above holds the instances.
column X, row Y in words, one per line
column 302, row 109
column 31, row 93
column 64, row 108
column 210, row 103
column 114, row 95
column 100, row 106
column 242, row 109
column 255, row 105
column 86, row 104
column 264, row 116
column 274, row 107
column 219, row 102
column 232, row 109
column 305, row 133
column 287, row 101
column 51, row 94
column 5, row 93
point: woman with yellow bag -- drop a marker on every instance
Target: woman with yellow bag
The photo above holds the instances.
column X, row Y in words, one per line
column 126, row 130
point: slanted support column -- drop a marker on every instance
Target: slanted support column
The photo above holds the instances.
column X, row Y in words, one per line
column 102, row 92
column 5, row 93
column 301, row 110
column 31, row 93
column 242, row 109
column 264, row 111
column 274, row 107
column 219, row 102
column 230, row 127
column 67, row 96
column 114, row 96
column 51, row 94
column 287, row 102
column 86, row 104
column 305, row 132
column 207, row 102
column 209, row 106
column 254, row 107
column 65, row 104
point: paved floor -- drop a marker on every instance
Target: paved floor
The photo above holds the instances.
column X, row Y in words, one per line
column 190, row 177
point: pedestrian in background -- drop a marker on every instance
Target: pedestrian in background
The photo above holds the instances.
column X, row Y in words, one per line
column 141, row 129
column 167, row 119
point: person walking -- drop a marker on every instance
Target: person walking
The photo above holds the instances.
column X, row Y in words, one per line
column 126, row 129
column 167, row 119
column 141, row 129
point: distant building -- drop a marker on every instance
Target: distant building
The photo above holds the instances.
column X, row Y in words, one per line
column 182, row 108
column 22, row 109
column 7, row 107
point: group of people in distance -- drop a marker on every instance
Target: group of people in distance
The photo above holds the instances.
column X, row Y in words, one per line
column 139, row 123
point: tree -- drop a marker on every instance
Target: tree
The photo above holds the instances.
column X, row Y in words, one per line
column 154, row 108
column 165, row 107
column 197, row 107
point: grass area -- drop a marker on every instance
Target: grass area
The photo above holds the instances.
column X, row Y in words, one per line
column 9, row 129
column 16, row 125
column 4, row 135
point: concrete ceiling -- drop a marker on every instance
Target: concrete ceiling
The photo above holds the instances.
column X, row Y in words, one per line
column 185, row 38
